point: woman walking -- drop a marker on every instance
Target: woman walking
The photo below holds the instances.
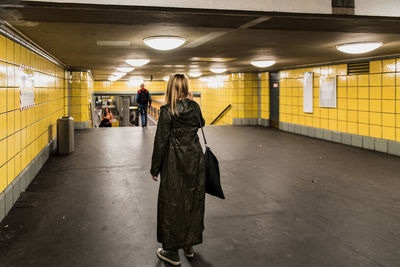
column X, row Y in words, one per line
column 178, row 156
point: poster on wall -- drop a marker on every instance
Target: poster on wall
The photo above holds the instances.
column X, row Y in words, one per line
column 27, row 88
column 308, row 92
column 327, row 91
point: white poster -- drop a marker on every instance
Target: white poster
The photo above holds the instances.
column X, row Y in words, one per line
column 308, row 92
column 327, row 91
column 27, row 88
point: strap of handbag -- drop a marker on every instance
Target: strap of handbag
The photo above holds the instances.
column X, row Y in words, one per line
column 204, row 137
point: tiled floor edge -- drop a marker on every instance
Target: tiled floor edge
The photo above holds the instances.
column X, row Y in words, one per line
column 251, row 122
column 366, row 142
column 12, row 192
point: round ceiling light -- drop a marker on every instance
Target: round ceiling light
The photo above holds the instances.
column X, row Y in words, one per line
column 358, row 48
column 263, row 63
column 195, row 73
column 118, row 74
column 113, row 78
column 218, row 70
column 137, row 62
column 164, row 42
column 125, row 69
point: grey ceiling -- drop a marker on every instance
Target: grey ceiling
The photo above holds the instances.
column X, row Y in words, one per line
column 70, row 33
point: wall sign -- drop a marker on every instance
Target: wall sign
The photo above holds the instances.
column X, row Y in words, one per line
column 308, row 92
column 27, row 88
column 327, row 91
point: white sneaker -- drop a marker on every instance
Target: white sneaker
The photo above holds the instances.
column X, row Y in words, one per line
column 171, row 257
column 189, row 252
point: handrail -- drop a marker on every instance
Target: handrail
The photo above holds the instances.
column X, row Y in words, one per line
column 221, row 114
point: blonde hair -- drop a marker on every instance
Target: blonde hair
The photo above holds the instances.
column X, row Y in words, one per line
column 177, row 88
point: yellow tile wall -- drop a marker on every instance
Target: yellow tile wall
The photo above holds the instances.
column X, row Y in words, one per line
column 158, row 98
column 215, row 97
column 23, row 134
column 82, row 87
column 67, row 97
column 238, row 89
column 367, row 105
column 245, row 87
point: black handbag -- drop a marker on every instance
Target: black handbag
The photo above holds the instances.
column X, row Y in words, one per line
column 213, row 180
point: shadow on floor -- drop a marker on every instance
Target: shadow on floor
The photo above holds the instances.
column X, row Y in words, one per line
column 198, row 261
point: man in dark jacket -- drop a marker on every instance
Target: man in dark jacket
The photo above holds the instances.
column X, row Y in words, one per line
column 143, row 98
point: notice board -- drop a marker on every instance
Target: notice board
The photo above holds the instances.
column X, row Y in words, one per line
column 27, row 88
column 327, row 91
column 308, row 92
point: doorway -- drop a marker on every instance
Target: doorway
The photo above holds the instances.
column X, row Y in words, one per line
column 274, row 99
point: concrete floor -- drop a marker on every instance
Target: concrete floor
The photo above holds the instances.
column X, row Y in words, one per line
column 291, row 201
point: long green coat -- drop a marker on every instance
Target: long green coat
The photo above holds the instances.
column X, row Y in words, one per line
column 178, row 156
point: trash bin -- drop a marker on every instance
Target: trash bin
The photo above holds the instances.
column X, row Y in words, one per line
column 65, row 135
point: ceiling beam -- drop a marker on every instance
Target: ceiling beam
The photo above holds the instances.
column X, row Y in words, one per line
column 291, row 6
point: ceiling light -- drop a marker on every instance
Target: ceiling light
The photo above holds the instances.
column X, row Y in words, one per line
column 125, row 69
column 358, row 48
column 164, row 42
column 195, row 73
column 113, row 78
column 263, row 63
column 166, row 78
column 118, row 74
column 218, row 70
column 137, row 62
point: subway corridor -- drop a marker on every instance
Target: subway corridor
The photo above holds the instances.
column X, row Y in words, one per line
column 291, row 201
column 301, row 104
